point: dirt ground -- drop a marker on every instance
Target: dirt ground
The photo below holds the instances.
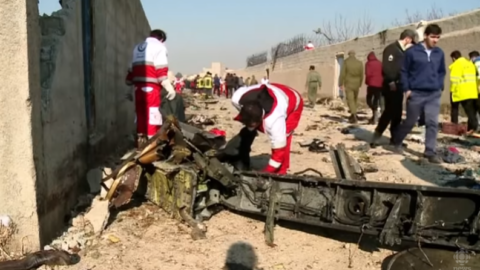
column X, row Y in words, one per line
column 144, row 238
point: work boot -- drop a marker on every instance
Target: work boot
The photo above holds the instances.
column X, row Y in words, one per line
column 397, row 149
column 433, row 159
column 375, row 138
column 353, row 119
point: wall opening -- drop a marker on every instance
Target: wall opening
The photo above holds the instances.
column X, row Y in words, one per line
column 339, row 58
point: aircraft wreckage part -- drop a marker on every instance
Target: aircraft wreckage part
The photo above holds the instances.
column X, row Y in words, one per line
column 112, row 190
column 170, row 125
column 428, row 258
column 434, row 215
column 344, row 165
column 129, row 182
column 177, row 191
column 38, row 259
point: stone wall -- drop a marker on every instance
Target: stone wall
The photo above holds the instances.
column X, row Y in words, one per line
column 461, row 32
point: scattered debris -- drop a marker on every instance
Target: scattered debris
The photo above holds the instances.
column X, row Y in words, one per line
column 200, row 121
column 346, row 167
column 98, row 215
column 416, row 138
column 350, row 130
column 451, row 154
column 316, row 146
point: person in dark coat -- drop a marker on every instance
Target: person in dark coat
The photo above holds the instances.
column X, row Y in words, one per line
column 374, row 81
column 392, row 63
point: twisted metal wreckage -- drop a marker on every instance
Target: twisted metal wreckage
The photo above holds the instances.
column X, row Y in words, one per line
column 179, row 172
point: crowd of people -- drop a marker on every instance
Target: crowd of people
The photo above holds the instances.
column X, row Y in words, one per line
column 219, row 86
column 410, row 71
column 414, row 73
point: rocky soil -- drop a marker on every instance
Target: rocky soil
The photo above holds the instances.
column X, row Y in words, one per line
column 144, row 237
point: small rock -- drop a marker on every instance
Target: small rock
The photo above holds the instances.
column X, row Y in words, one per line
column 64, row 246
column 94, row 178
column 5, row 221
column 78, row 221
column 98, row 215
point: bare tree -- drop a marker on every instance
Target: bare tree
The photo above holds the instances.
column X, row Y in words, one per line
column 341, row 29
column 433, row 13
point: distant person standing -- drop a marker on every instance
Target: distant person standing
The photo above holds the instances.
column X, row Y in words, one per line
column 374, row 82
column 208, row 84
column 314, row 81
column 200, row 85
column 463, row 87
column 422, row 79
column 253, row 81
column 216, row 85
column 351, row 78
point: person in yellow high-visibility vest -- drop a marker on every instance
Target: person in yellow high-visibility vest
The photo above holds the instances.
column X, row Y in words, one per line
column 208, row 84
column 463, row 86
column 200, row 85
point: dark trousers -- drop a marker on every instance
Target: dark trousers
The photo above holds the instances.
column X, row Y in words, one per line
column 471, row 109
column 216, row 90
column 454, row 106
column 393, row 111
column 427, row 102
column 373, row 97
column 230, row 90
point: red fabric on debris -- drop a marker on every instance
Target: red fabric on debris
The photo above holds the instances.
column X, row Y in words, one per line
column 218, row 132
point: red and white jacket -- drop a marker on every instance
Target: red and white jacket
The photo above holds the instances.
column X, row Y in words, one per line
column 275, row 124
column 149, row 64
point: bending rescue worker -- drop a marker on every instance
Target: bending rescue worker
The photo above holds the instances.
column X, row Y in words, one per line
column 274, row 109
column 148, row 73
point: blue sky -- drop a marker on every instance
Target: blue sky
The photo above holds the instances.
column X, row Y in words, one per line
column 201, row 32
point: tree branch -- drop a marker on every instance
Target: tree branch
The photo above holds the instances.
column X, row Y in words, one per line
column 341, row 29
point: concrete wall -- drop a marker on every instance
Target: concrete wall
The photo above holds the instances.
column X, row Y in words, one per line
column 461, row 32
column 43, row 109
column 63, row 116
column 118, row 26
column 20, row 124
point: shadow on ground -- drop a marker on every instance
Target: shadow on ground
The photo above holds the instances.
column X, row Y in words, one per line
column 241, row 256
column 366, row 243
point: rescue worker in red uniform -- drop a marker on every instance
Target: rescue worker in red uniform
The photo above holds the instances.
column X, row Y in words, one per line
column 148, row 73
column 274, row 109
column 178, row 85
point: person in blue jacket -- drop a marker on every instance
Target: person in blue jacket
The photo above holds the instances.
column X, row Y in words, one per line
column 422, row 79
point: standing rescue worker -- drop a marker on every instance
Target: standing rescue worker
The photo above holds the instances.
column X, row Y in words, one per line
column 392, row 92
column 200, row 85
column 314, row 81
column 274, row 109
column 463, row 86
column 208, row 84
column 148, row 74
column 374, row 81
column 422, row 80
column 351, row 79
